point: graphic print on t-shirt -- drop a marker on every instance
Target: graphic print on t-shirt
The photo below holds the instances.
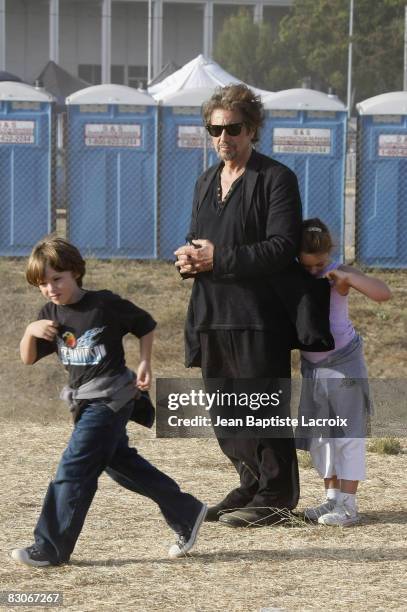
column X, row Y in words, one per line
column 69, row 339
column 81, row 351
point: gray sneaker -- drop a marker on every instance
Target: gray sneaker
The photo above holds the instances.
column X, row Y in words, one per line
column 31, row 556
column 340, row 516
column 185, row 541
column 313, row 514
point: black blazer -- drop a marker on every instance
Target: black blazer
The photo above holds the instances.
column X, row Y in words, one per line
column 271, row 218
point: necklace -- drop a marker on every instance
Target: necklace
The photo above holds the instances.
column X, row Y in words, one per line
column 223, row 201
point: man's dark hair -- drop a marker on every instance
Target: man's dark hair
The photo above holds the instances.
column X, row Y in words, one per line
column 237, row 97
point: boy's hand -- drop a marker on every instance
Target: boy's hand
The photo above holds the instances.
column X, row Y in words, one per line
column 143, row 375
column 340, row 281
column 45, row 329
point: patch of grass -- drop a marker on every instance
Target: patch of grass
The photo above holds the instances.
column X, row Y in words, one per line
column 304, row 459
column 385, row 446
column 31, row 393
column 382, row 315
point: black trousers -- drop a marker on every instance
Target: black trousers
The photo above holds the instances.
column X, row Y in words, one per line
column 253, row 361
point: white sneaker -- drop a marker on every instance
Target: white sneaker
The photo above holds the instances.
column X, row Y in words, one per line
column 313, row 514
column 30, row 556
column 340, row 516
column 186, row 541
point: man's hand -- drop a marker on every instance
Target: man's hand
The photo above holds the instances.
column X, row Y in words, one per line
column 195, row 259
column 45, row 329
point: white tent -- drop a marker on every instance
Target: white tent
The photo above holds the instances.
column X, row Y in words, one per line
column 188, row 97
column 200, row 72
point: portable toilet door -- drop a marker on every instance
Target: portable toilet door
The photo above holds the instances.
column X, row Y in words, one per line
column 26, row 167
column 381, row 181
column 185, row 151
column 306, row 130
column 111, row 172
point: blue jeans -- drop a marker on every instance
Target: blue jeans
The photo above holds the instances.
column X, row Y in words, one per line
column 99, row 442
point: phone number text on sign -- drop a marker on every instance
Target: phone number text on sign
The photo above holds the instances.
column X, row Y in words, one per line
column 17, row 132
column 302, row 140
column 112, row 135
column 392, row 145
column 191, row 137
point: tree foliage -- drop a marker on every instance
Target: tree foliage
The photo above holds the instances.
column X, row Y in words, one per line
column 313, row 42
column 244, row 48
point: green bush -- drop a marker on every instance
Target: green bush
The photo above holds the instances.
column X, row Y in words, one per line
column 385, row 446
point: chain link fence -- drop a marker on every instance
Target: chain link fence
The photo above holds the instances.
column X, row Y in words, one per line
column 111, row 180
column 118, row 180
column 381, row 191
column 184, row 151
column 312, row 143
column 27, row 174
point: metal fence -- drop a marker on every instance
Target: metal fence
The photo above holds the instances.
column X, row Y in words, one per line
column 111, row 180
column 118, row 181
column 313, row 144
column 27, row 174
column 381, row 191
column 184, row 151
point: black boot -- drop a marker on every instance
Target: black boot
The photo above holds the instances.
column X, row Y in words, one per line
column 233, row 501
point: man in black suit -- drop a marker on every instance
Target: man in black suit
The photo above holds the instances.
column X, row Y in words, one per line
column 245, row 229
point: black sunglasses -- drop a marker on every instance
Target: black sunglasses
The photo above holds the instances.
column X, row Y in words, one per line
column 233, row 129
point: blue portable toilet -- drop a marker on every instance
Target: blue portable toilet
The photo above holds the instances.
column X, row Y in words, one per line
column 111, row 177
column 306, row 130
column 26, row 167
column 185, row 151
column 381, row 181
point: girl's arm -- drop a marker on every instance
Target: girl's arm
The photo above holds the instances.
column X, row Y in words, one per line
column 144, row 369
column 346, row 277
column 44, row 329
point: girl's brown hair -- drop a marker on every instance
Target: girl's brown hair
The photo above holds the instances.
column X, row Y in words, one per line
column 315, row 237
column 57, row 253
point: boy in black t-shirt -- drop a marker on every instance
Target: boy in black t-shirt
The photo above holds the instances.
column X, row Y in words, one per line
column 85, row 329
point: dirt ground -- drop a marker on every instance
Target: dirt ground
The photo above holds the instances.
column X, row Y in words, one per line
column 120, row 561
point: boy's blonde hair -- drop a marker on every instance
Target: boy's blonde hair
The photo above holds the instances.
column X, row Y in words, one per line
column 57, row 253
column 315, row 237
